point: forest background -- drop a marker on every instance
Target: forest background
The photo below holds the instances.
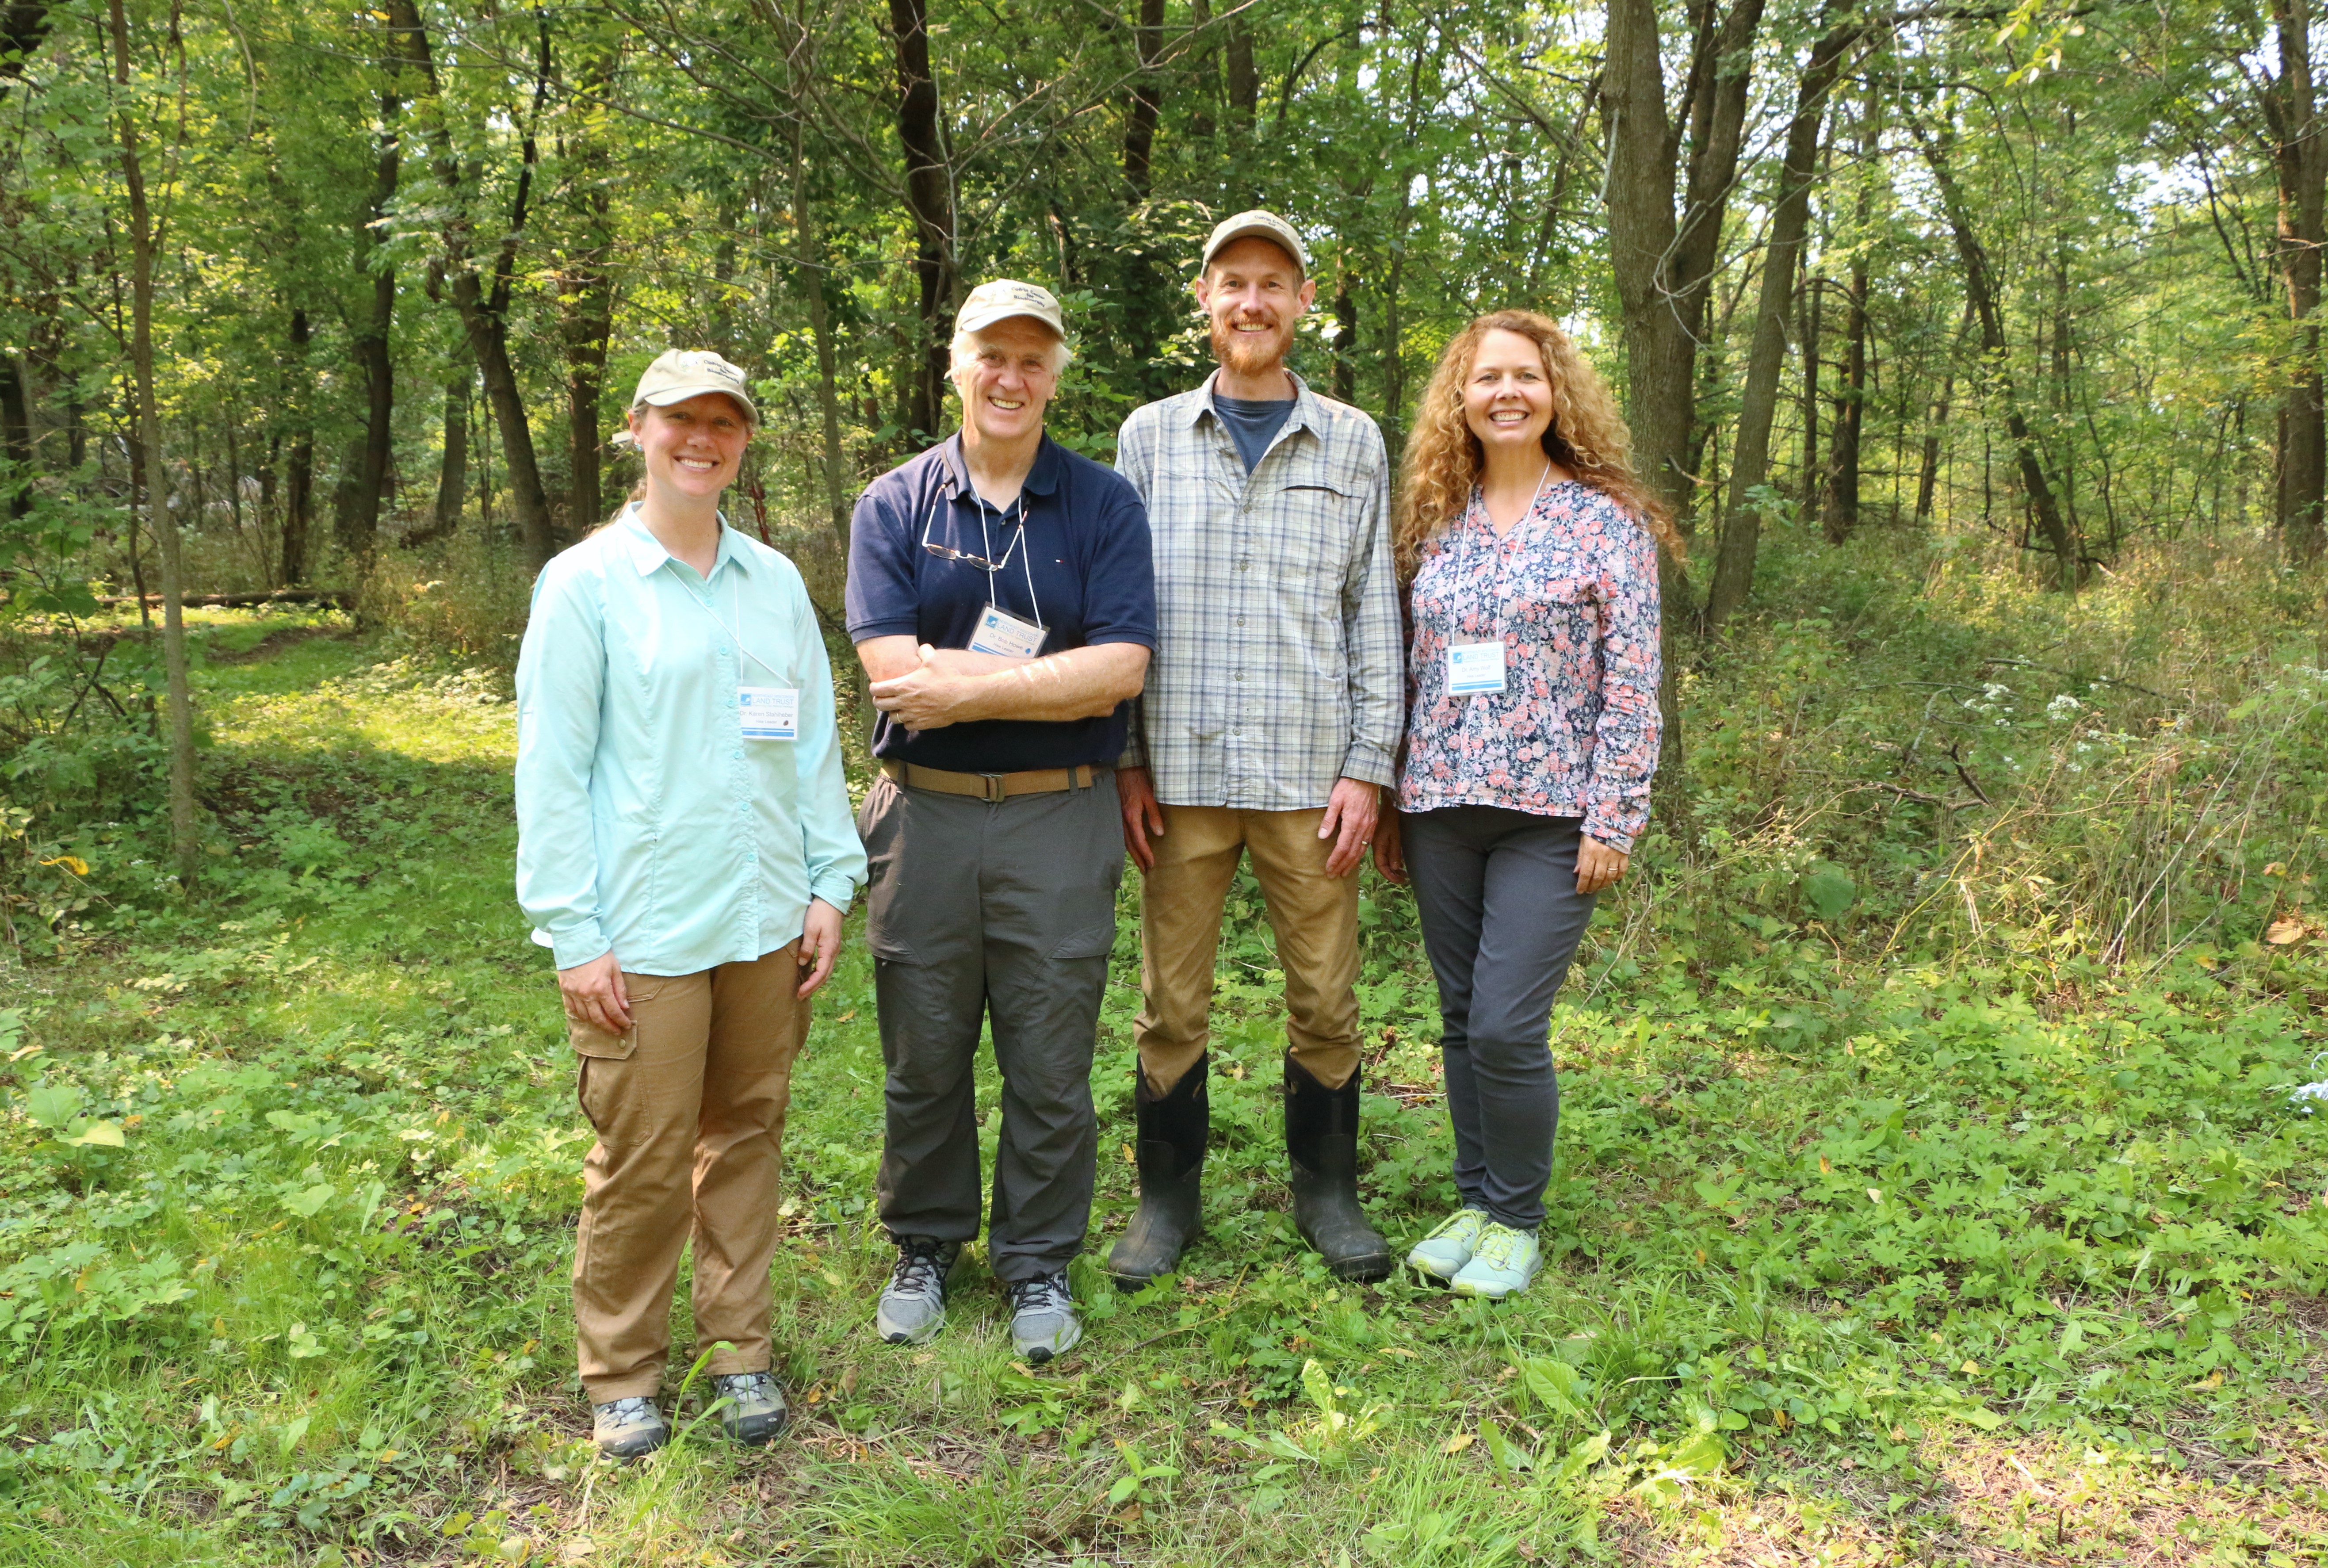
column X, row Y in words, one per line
column 1937, row 1180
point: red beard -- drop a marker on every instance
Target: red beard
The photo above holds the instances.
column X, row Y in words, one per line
column 1244, row 354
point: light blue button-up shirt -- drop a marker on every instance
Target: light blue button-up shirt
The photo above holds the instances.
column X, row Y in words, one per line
column 647, row 823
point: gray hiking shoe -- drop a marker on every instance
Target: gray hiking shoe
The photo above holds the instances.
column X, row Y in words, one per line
column 625, row 1429
column 913, row 1306
column 1043, row 1321
column 752, row 1407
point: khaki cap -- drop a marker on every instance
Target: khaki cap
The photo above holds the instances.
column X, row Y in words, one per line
column 679, row 374
column 1258, row 224
column 1004, row 299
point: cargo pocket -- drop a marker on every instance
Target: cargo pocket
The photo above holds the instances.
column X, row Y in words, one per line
column 591, row 1041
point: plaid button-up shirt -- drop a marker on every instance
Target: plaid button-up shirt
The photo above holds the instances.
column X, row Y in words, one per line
column 1277, row 666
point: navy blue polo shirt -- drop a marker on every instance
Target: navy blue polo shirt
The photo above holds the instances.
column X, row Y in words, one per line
column 1086, row 545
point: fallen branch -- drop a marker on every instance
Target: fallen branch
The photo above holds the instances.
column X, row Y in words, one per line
column 339, row 598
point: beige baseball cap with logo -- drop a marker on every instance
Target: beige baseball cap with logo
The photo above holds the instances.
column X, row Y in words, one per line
column 683, row 373
column 1258, row 224
column 1004, row 299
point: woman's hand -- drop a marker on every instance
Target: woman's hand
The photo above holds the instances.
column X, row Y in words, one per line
column 1597, row 865
column 819, row 944
column 1390, row 854
column 593, row 993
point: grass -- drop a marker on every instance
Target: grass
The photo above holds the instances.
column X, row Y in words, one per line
column 1896, row 1219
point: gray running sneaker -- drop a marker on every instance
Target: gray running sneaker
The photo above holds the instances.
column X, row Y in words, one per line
column 752, row 1406
column 626, row 1429
column 913, row 1306
column 1043, row 1321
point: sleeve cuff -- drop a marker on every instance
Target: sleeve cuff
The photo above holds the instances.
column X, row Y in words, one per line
column 837, row 891
column 578, row 944
column 1369, row 764
column 1609, row 834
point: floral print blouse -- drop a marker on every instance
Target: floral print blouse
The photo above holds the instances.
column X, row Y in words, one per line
column 1572, row 593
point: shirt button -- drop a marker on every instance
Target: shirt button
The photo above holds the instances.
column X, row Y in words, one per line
column 736, row 755
column 1238, row 676
column 1242, row 565
column 1239, row 620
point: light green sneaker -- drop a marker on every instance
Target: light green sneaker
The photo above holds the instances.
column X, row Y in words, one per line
column 1503, row 1264
column 1444, row 1252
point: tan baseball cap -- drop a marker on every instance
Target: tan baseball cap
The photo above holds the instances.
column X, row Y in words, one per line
column 1258, row 224
column 1004, row 299
column 683, row 373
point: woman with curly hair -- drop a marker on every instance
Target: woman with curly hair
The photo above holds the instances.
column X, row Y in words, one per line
column 1529, row 550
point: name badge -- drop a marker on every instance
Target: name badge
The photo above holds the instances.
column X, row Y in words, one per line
column 1473, row 668
column 768, row 712
column 1006, row 637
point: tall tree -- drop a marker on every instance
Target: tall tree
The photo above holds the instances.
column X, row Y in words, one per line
column 1666, row 211
column 929, row 200
column 1980, row 287
column 364, row 479
column 185, row 838
column 481, row 287
column 2299, row 158
column 1733, row 572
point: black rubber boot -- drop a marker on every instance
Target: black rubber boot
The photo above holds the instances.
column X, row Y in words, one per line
column 1321, row 1139
column 1172, row 1161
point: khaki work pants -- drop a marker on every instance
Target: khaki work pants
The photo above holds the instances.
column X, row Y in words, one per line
column 1315, row 917
column 689, row 1111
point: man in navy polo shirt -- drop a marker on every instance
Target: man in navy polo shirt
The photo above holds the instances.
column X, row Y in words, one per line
column 1002, row 598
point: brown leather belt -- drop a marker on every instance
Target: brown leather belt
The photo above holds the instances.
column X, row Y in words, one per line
column 988, row 787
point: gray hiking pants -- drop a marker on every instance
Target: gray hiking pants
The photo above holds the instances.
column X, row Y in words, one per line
column 1501, row 918
column 1005, row 911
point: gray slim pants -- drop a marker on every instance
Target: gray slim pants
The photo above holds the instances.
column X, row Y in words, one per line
column 1004, row 910
column 1501, row 918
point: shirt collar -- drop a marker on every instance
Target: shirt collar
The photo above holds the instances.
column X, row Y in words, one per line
column 647, row 553
column 1043, row 479
column 1308, row 413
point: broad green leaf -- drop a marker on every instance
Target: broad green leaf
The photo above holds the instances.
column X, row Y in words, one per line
column 98, row 1135
column 53, row 1106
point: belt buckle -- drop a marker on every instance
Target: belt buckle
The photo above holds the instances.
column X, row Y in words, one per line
column 997, row 791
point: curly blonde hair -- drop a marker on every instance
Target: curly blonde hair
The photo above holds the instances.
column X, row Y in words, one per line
column 1587, row 436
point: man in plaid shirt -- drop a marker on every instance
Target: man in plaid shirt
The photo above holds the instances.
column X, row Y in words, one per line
column 1269, row 727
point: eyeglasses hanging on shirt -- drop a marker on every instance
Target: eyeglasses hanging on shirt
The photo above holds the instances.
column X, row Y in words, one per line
column 1000, row 632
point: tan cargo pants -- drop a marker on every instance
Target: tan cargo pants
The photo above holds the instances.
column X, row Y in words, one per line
column 1315, row 917
column 689, row 1111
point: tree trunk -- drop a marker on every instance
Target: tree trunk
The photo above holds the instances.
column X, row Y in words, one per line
column 356, row 513
column 1664, row 260
column 1840, row 511
column 1814, row 303
column 585, row 290
column 1980, row 290
column 1147, row 99
column 1663, row 265
column 930, row 201
column 827, row 360
column 299, row 480
column 16, row 434
column 1346, row 338
column 1928, row 475
column 1245, row 77
column 185, row 838
column 485, row 311
column 2300, row 162
column 1750, row 462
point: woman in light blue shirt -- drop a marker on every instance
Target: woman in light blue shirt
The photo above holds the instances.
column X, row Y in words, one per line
column 686, row 849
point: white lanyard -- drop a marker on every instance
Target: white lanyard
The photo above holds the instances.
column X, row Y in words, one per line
column 986, row 563
column 764, row 712
column 1477, row 669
